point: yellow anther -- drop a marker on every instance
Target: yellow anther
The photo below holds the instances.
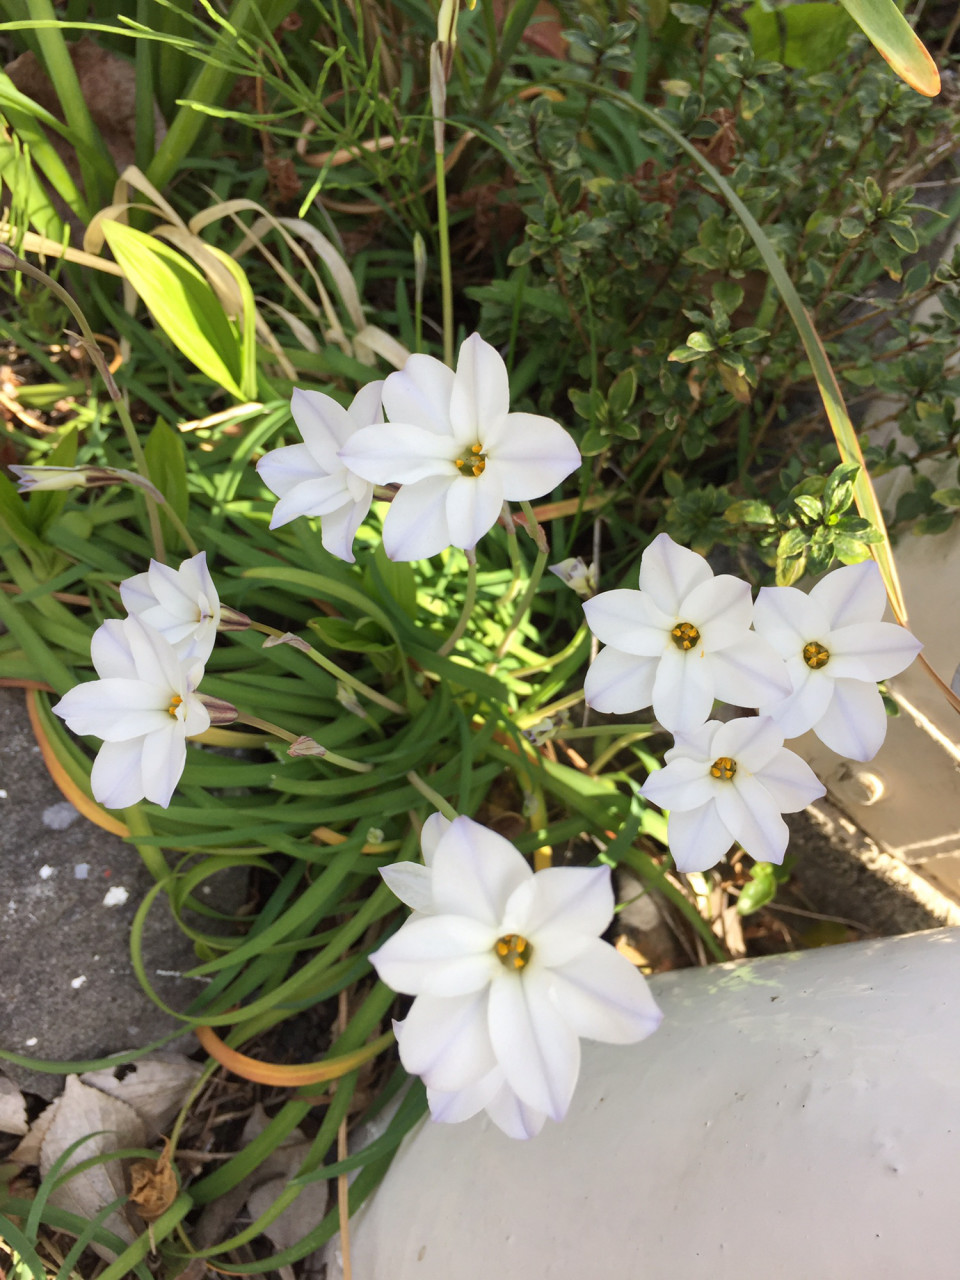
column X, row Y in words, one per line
column 475, row 461
column 685, row 636
column 175, row 702
column 513, row 951
column 723, row 768
column 815, row 655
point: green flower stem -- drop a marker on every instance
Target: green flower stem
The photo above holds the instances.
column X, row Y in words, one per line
column 625, row 740
column 469, row 601
column 554, row 708
column 332, row 669
column 549, row 663
column 317, row 750
column 443, row 235
column 516, row 557
column 90, row 345
column 435, row 798
column 525, row 601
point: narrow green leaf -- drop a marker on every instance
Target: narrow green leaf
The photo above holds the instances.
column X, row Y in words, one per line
column 895, row 40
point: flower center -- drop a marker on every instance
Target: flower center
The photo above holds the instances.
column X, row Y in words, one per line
column 815, row 655
column 475, row 461
column 723, row 768
column 175, row 702
column 685, row 635
column 513, row 951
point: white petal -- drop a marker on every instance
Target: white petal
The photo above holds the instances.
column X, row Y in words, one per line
column 481, row 391
column 630, row 621
column 195, row 718
column 114, row 709
column 512, row 1115
column 420, row 394
column 698, row 839
column 460, row 1104
column 283, row 469
column 439, row 956
column 538, row 1050
column 748, row 810
column 474, row 504
column 681, row 784
column 110, row 648
column 855, row 722
column 399, row 454
column 683, row 689
column 808, row 702
column 162, row 762
column 416, row 524
column 871, row 650
column 324, row 424
column 116, row 779
column 156, row 659
column 787, row 619
column 446, row 1041
column 720, row 609
column 475, row 871
column 851, row 594
column 670, row 572
column 366, row 407
column 790, row 781
column 315, row 497
column 433, row 831
column 619, row 682
column 566, row 908
column 603, row 997
column 339, row 528
column 412, row 884
column 531, row 454
column 750, row 673
column 695, row 744
column 752, row 741
column 136, row 596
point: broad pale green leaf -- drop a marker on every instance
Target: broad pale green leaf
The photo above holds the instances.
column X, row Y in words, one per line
column 807, row 36
column 182, row 303
column 894, row 39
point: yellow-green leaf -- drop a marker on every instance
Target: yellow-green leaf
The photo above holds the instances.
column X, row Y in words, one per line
column 182, row 303
column 894, row 39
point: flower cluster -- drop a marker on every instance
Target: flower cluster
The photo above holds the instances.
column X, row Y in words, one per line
column 509, row 971
column 144, row 704
column 802, row 661
column 451, row 443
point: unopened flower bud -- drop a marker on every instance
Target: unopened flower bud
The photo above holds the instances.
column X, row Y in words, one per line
column 577, row 575
column 305, row 746
column 42, row 477
column 348, row 700
column 287, row 638
column 233, row 619
column 220, row 711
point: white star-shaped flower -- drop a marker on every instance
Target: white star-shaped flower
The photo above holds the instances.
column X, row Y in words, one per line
column 457, row 451
column 679, row 642
column 509, row 971
column 836, row 649
column 182, row 604
column 311, row 479
column 730, row 782
column 143, row 706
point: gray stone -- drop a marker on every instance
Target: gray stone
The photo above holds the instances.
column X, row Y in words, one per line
column 68, row 990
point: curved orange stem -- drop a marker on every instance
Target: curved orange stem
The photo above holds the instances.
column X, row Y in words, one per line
column 283, row 1074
